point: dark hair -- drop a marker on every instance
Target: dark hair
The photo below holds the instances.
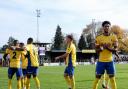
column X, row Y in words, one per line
column 105, row 22
column 30, row 40
column 70, row 37
column 22, row 44
column 15, row 42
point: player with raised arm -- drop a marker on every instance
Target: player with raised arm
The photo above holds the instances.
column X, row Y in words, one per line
column 70, row 61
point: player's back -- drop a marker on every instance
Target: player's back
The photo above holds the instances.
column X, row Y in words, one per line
column 32, row 55
column 15, row 56
column 71, row 49
column 24, row 60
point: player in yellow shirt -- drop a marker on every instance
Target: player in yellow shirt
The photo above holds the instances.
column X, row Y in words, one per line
column 33, row 64
column 106, row 45
column 70, row 61
column 14, row 64
column 24, row 65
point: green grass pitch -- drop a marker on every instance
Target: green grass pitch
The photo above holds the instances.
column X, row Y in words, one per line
column 52, row 77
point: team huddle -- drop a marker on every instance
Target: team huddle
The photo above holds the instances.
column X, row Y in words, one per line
column 24, row 61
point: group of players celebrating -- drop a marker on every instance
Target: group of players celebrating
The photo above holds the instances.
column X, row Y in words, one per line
column 24, row 60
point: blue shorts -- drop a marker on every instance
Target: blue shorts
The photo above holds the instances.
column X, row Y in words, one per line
column 24, row 72
column 69, row 70
column 32, row 70
column 12, row 71
column 101, row 67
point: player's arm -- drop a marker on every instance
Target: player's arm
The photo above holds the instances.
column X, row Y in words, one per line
column 98, row 46
column 5, row 56
column 68, row 51
column 20, row 49
column 114, row 47
column 10, row 47
column 62, row 56
column 17, row 49
column 25, row 54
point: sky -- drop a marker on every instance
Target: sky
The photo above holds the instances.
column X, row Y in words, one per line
column 18, row 17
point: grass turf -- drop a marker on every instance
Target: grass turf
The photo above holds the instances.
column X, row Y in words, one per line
column 52, row 77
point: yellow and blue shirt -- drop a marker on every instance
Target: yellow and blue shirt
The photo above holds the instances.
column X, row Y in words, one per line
column 32, row 52
column 71, row 58
column 24, row 60
column 106, row 55
column 15, row 57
